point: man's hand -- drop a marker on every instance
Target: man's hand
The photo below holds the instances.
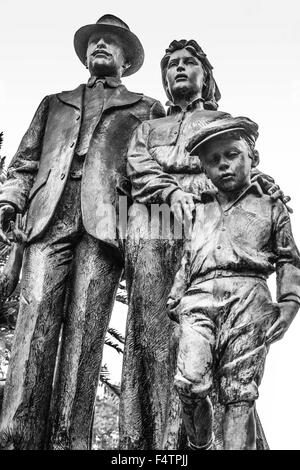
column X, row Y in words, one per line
column 171, row 309
column 183, row 205
column 7, row 215
column 269, row 186
column 287, row 314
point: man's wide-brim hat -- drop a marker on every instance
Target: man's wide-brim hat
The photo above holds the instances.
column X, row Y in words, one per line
column 218, row 126
column 132, row 46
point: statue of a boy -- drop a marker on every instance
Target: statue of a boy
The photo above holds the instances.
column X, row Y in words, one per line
column 220, row 295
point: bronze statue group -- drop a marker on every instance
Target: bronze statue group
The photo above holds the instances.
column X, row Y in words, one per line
column 204, row 230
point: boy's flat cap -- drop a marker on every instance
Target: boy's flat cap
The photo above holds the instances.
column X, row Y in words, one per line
column 220, row 124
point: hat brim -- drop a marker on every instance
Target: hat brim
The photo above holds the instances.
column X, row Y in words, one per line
column 132, row 46
column 195, row 149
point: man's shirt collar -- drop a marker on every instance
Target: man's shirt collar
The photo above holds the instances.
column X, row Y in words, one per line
column 175, row 108
column 111, row 82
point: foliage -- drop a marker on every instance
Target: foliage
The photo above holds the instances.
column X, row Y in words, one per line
column 105, row 428
column 105, row 425
column 122, row 294
column 2, row 162
column 116, row 335
column 109, row 389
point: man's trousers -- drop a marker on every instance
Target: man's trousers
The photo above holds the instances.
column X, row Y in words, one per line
column 69, row 280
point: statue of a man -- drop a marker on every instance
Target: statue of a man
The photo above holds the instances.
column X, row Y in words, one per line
column 162, row 172
column 70, row 163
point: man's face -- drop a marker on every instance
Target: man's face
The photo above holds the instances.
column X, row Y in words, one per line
column 227, row 162
column 184, row 74
column 105, row 56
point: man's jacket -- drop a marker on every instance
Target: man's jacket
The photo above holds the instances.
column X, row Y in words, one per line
column 39, row 171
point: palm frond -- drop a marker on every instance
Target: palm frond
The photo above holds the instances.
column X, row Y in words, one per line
column 105, row 380
column 116, row 335
column 113, row 345
column 122, row 285
column 122, row 293
column 122, row 297
column 112, row 387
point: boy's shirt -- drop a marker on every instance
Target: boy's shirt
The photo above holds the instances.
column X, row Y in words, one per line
column 246, row 238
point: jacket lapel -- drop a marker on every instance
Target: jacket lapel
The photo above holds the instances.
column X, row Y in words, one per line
column 72, row 98
column 122, row 97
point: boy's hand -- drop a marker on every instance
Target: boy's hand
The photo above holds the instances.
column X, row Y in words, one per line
column 171, row 309
column 288, row 311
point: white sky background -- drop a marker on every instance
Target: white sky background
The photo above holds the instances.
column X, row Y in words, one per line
column 254, row 47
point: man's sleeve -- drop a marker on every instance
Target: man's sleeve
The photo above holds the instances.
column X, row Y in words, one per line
column 287, row 256
column 24, row 165
column 150, row 184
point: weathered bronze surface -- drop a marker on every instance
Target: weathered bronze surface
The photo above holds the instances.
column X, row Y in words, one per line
column 163, row 171
column 158, row 165
column 71, row 161
column 69, row 170
column 220, row 297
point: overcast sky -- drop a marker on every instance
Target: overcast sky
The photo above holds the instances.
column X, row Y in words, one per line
column 254, row 47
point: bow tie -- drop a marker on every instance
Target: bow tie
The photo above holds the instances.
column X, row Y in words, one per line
column 111, row 82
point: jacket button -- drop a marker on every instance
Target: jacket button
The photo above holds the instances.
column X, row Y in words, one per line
column 62, row 176
column 219, row 247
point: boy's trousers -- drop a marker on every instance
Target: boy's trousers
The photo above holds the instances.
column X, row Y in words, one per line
column 223, row 323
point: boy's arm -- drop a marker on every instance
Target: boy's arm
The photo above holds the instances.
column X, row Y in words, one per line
column 287, row 272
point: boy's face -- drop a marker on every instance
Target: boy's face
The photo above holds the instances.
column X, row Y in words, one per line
column 227, row 162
